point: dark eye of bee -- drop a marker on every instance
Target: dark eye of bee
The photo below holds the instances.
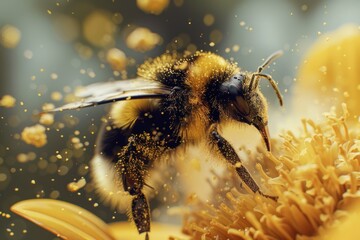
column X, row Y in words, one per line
column 232, row 87
column 238, row 77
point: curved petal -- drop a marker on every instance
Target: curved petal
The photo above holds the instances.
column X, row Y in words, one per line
column 66, row 220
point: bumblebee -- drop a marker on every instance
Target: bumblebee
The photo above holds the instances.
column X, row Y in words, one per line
column 174, row 102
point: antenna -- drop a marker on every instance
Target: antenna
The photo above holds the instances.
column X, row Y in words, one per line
column 255, row 78
column 269, row 60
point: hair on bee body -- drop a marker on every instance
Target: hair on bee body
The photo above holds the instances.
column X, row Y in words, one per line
column 174, row 102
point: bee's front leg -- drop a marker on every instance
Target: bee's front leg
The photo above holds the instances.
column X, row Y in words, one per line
column 230, row 155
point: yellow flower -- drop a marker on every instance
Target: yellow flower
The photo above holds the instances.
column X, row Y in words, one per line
column 69, row 221
column 329, row 74
column 318, row 179
column 347, row 229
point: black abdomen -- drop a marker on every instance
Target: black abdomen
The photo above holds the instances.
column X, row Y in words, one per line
column 151, row 131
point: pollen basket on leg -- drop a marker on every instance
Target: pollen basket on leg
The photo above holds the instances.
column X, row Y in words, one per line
column 125, row 113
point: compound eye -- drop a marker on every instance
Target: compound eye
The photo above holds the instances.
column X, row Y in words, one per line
column 237, row 77
column 233, row 86
column 242, row 106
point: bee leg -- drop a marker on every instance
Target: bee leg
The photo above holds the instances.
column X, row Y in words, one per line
column 230, row 155
column 132, row 171
column 133, row 183
column 141, row 214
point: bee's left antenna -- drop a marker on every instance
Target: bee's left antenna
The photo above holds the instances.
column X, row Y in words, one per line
column 269, row 60
column 266, row 63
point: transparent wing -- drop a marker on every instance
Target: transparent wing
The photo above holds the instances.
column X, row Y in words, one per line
column 107, row 92
column 103, row 88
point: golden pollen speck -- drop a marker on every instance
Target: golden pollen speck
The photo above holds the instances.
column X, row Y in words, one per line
column 56, row 96
column 3, row 177
column 28, row 54
column 142, row 39
column 54, row 76
column 209, row 19
column 10, row 36
column 7, row 101
column 182, row 66
column 216, row 36
column 76, row 186
column 116, row 58
column 34, row 135
column 236, row 48
column 304, row 7
column 153, row 6
column 98, row 29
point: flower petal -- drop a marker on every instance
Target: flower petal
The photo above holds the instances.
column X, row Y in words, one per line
column 329, row 74
column 66, row 220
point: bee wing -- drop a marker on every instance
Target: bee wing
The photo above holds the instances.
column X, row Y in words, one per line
column 103, row 88
column 108, row 92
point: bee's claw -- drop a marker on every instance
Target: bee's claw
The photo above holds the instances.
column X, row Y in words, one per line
column 274, row 198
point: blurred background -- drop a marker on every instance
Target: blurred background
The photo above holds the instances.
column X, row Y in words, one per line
column 49, row 48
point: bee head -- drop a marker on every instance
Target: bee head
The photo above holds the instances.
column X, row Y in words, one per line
column 244, row 101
